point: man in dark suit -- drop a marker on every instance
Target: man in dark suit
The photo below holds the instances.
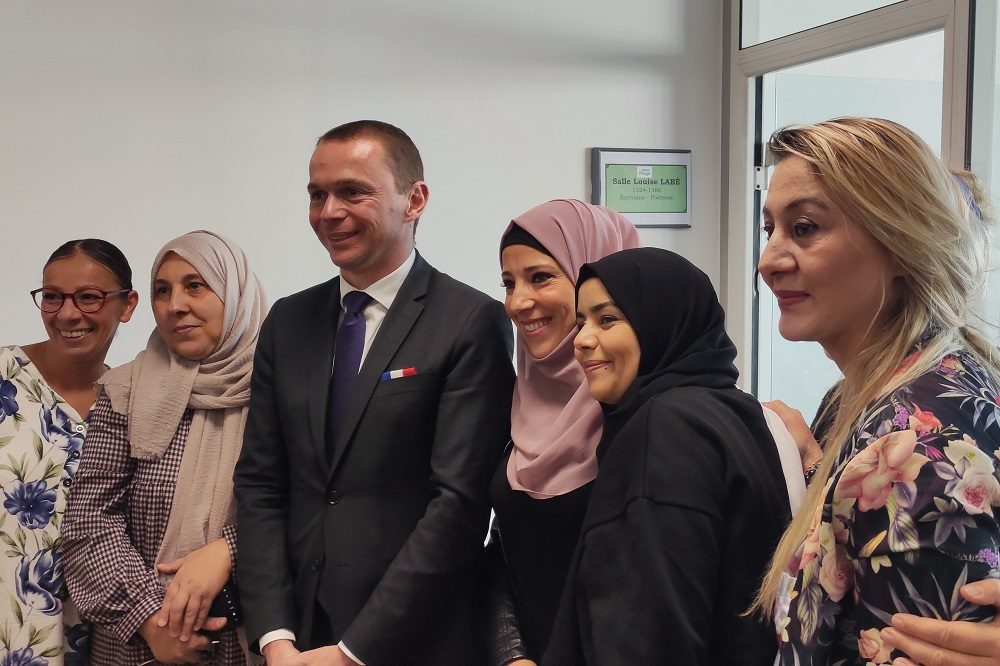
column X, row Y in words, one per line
column 361, row 518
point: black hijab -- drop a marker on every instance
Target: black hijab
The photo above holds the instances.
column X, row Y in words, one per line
column 678, row 320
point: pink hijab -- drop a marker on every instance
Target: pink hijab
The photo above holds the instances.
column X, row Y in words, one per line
column 555, row 424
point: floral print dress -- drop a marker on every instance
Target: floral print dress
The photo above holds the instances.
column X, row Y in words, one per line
column 907, row 519
column 41, row 438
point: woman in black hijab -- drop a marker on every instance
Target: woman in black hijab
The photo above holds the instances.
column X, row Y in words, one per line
column 689, row 501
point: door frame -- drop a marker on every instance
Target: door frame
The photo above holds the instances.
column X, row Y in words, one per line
column 903, row 19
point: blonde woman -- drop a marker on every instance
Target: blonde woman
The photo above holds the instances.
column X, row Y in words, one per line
column 875, row 252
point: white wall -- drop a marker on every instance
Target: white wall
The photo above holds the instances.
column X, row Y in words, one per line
column 136, row 121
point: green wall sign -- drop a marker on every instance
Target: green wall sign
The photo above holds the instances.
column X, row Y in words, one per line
column 655, row 188
column 649, row 186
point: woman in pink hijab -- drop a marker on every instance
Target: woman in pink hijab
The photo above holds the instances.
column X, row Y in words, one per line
column 541, row 487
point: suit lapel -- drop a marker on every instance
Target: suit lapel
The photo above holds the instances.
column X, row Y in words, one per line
column 319, row 357
column 405, row 310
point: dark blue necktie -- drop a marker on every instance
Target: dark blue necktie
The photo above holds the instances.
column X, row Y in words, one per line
column 346, row 362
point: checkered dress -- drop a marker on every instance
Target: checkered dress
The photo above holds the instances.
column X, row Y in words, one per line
column 115, row 521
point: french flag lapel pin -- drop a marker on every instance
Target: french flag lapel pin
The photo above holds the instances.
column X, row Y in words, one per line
column 389, row 375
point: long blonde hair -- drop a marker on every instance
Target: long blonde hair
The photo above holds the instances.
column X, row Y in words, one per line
column 890, row 184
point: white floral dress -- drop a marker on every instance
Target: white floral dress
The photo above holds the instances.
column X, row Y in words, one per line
column 41, row 439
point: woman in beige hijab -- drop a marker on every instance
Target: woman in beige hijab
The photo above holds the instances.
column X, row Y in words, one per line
column 150, row 533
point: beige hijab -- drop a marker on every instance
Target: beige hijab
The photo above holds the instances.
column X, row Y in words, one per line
column 156, row 388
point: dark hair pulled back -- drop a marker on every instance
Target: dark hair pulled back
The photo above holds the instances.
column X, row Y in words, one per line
column 101, row 251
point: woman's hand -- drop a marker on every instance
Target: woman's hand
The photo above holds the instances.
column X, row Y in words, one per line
column 169, row 650
column 809, row 449
column 942, row 643
column 199, row 576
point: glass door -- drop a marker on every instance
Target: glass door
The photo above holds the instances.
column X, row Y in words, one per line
column 791, row 62
column 901, row 81
column 984, row 143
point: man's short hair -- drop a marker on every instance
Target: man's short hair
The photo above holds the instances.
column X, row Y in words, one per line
column 404, row 158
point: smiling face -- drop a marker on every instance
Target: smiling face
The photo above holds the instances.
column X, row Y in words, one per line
column 833, row 281
column 84, row 336
column 188, row 314
column 606, row 345
column 539, row 298
column 357, row 212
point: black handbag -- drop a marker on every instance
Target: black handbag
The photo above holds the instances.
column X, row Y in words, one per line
column 227, row 604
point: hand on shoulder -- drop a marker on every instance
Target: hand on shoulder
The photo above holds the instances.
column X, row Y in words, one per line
column 957, row 643
column 808, row 447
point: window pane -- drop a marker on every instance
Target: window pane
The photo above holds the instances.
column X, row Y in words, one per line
column 985, row 144
column 764, row 20
column 901, row 81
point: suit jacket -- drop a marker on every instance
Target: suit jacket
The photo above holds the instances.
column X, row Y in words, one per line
column 394, row 525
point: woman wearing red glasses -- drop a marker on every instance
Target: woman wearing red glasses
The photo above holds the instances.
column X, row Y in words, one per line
column 46, row 390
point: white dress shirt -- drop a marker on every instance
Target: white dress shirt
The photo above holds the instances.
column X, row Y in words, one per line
column 383, row 293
